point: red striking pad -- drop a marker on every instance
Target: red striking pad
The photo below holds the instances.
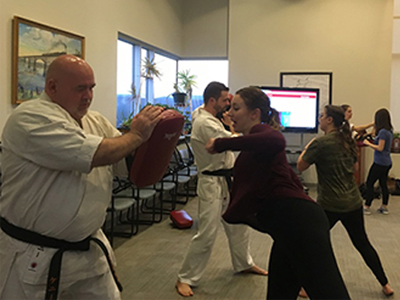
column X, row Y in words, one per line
column 152, row 158
column 181, row 219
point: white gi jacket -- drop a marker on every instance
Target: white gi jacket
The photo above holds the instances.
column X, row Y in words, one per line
column 206, row 126
column 49, row 188
column 213, row 199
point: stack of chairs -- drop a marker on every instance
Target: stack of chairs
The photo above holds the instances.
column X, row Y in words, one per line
column 145, row 170
column 189, row 168
column 126, row 201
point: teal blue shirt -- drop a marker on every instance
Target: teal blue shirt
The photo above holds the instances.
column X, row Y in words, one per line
column 383, row 158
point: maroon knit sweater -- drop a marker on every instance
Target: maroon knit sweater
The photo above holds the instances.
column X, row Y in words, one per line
column 261, row 173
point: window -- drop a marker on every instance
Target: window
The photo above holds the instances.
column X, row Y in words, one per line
column 134, row 91
column 124, row 81
column 164, row 86
column 205, row 71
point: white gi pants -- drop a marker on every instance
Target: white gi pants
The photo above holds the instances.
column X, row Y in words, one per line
column 201, row 245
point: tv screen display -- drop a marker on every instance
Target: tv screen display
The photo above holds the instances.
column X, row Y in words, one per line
column 297, row 107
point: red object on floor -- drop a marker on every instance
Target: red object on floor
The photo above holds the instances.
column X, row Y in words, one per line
column 152, row 158
column 181, row 219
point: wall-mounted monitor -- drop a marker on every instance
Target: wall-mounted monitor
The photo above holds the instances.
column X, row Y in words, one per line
column 297, row 107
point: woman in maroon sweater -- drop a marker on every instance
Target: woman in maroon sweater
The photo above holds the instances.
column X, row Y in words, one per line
column 268, row 196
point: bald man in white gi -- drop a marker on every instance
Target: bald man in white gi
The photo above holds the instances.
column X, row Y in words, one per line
column 213, row 195
column 57, row 182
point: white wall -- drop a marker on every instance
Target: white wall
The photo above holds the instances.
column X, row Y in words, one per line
column 395, row 84
column 352, row 39
column 396, row 8
column 205, row 28
column 157, row 22
column 395, row 95
column 271, row 36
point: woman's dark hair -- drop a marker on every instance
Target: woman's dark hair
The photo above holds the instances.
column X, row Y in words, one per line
column 382, row 120
column 343, row 132
column 254, row 98
column 345, row 107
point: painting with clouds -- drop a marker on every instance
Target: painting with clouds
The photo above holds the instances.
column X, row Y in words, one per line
column 35, row 46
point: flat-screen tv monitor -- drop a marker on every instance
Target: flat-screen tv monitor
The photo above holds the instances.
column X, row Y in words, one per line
column 298, row 107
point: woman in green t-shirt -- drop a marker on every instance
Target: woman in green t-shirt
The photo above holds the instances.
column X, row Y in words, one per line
column 334, row 155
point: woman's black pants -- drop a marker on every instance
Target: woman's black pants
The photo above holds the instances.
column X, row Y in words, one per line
column 354, row 223
column 301, row 255
column 377, row 172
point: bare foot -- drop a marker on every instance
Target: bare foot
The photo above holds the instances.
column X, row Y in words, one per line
column 303, row 293
column 183, row 289
column 255, row 270
column 387, row 290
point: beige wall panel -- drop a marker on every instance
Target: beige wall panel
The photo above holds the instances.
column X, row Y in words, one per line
column 396, row 35
column 396, row 9
column 353, row 39
column 395, row 108
column 205, row 28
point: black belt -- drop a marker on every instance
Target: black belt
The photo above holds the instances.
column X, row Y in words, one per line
column 227, row 173
column 53, row 278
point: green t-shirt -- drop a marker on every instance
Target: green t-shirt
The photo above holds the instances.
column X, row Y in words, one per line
column 337, row 188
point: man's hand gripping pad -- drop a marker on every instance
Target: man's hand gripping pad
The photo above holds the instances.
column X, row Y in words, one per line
column 152, row 158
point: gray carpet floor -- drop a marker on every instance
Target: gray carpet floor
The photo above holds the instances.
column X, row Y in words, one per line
column 148, row 262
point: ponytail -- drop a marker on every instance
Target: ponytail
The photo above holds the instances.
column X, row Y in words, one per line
column 273, row 119
column 346, row 138
column 343, row 133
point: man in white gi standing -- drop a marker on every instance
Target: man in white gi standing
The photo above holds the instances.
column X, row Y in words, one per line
column 213, row 195
column 57, row 181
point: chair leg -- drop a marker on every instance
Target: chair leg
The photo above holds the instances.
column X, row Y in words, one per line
column 185, row 194
column 109, row 235
column 161, row 210
column 133, row 218
column 173, row 193
column 112, row 229
column 142, row 205
column 152, row 208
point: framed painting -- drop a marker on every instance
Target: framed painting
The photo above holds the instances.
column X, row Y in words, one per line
column 319, row 80
column 35, row 46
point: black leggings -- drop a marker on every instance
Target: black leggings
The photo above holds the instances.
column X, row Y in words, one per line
column 377, row 172
column 354, row 223
column 302, row 253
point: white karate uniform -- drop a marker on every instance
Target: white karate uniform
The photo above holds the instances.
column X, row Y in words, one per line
column 213, row 200
column 50, row 188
